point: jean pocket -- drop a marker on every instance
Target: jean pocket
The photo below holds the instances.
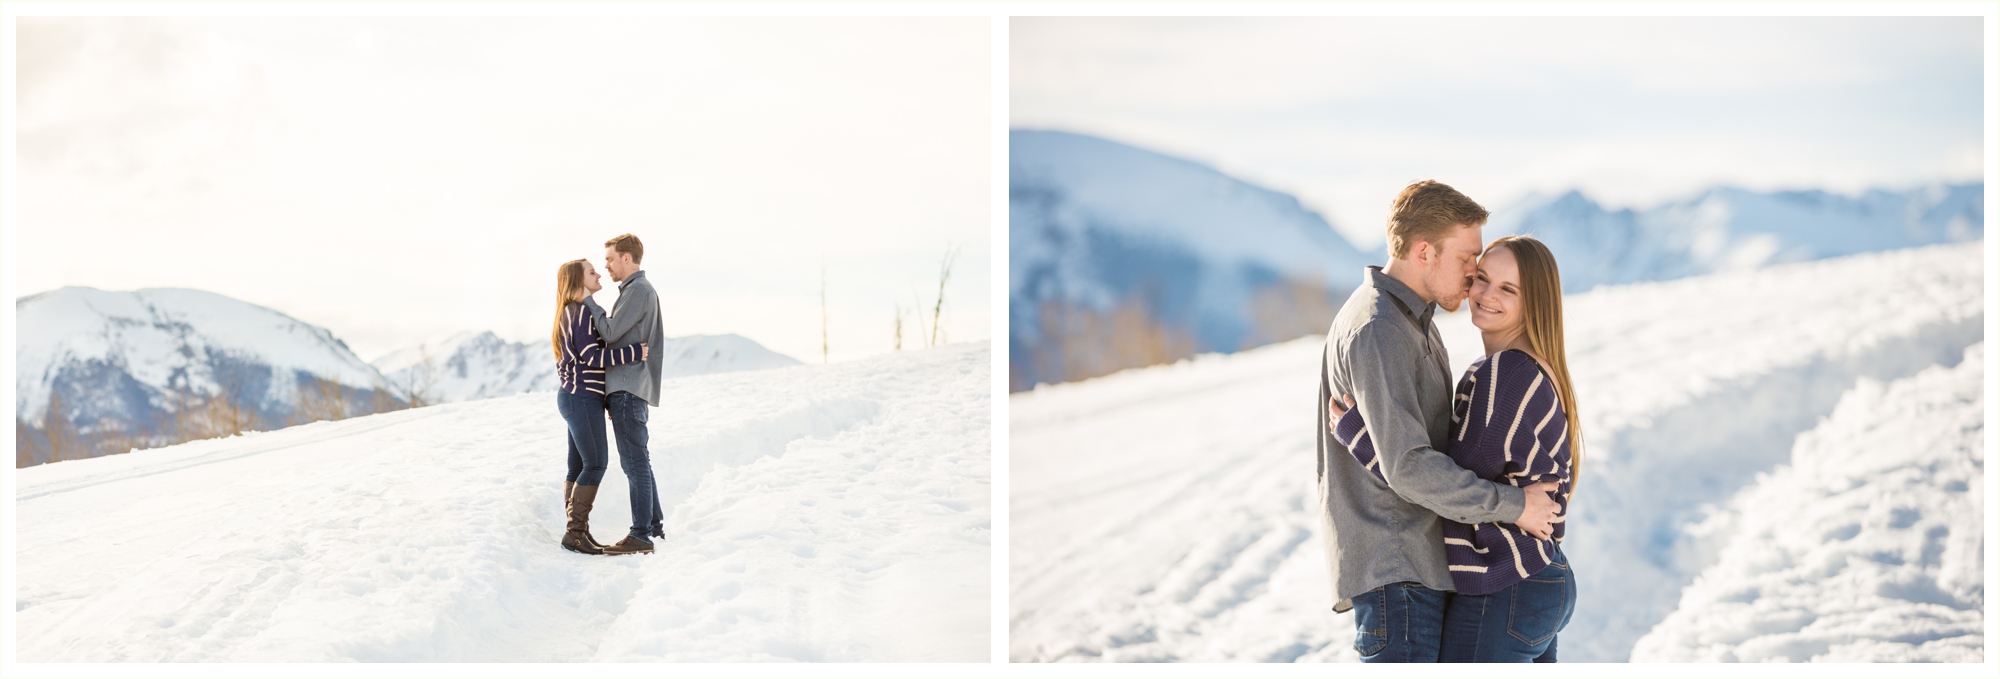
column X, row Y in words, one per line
column 1536, row 612
column 1371, row 622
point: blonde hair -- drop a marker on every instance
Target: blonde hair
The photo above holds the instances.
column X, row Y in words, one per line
column 1426, row 211
column 569, row 281
column 628, row 244
column 1542, row 323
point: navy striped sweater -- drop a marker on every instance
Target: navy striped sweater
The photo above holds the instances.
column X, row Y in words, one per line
column 1507, row 426
column 584, row 359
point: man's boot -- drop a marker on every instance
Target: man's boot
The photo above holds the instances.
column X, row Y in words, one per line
column 569, row 487
column 576, row 537
column 630, row 545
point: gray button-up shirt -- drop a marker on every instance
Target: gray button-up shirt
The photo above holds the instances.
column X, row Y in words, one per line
column 1384, row 351
column 634, row 318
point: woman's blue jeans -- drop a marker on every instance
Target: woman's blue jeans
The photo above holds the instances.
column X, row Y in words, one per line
column 589, row 453
column 1516, row 624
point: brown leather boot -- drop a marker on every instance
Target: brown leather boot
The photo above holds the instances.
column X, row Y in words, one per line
column 569, row 487
column 629, row 545
column 576, row 537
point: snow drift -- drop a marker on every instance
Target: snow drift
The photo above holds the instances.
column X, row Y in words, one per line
column 816, row 513
column 1865, row 547
column 1167, row 513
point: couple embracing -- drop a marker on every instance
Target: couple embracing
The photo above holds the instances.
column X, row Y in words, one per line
column 1443, row 509
column 606, row 366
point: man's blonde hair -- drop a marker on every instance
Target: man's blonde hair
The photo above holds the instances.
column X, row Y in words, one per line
column 628, row 244
column 1427, row 211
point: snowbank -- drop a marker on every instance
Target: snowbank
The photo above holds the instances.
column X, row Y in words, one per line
column 1166, row 513
column 1866, row 547
column 831, row 513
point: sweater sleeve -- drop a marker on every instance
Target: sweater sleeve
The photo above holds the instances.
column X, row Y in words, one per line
column 1526, row 432
column 586, row 349
column 1352, row 433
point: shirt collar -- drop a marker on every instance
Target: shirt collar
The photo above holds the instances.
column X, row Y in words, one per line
column 1411, row 302
column 636, row 275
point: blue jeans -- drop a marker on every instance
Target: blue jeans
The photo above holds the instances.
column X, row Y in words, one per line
column 1399, row 622
column 628, row 424
column 1516, row 624
column 588, row 452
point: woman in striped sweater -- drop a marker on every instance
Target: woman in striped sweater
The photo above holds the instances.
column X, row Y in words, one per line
column 1514, row 420
column 580, row 362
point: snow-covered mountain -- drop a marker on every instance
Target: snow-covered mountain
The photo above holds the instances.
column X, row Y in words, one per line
column 469, row 366
column 1781, row 463
column 835, row 513
column 1732, row 229
column 1115, row 250
column 1121, row 257
column 128, row 361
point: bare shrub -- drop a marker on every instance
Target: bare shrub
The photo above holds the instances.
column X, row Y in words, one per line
column 937, row 310
column 1289, row 309
column 321, row 400
column 419, row 385
column 1078, row 342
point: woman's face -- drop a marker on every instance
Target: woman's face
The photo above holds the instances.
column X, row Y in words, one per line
column 1496, row 292
column 589, row 281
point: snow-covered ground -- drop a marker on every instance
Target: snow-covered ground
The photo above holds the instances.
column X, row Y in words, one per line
column 815, row 513
column 1166, row 513
column 1866, row 547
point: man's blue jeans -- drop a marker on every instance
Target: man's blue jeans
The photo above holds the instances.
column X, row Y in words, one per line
column 1516, row 624
column 1399, row 622
column 628, row 426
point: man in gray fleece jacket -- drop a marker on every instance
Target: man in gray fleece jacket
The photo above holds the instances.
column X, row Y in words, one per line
column 632, row 388
column 1384, row 541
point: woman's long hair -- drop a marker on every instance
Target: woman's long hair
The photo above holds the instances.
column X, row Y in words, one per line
column 1542, row 321
column 569, row 281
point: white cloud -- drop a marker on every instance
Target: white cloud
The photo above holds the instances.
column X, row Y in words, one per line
column 394, row 179
column 1344, row 111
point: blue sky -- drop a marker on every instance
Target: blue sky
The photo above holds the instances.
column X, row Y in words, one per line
column 1344, row 111
column 399, row 179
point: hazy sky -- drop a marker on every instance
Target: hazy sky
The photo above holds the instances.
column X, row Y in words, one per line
column 397, row 179
column 1343, row 112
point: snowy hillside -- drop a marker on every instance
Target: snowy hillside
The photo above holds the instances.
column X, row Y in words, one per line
column 815, row 513
column 1096, row 225
column 469, row 366
column 1865, row 547
column 117, row 358
column 1166, row 513
column 1730, row 229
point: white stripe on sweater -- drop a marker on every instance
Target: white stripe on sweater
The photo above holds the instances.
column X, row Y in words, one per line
column 1507, row 444
column 1518, row 568
column 1493, row 391
column 1469, row 569
column 1530, row 462
column 1463, row 543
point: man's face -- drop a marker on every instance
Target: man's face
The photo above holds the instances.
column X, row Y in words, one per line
column 1456, row 258
column 618, row 264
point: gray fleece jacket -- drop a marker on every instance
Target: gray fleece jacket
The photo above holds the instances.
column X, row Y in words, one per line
column 634, row 318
